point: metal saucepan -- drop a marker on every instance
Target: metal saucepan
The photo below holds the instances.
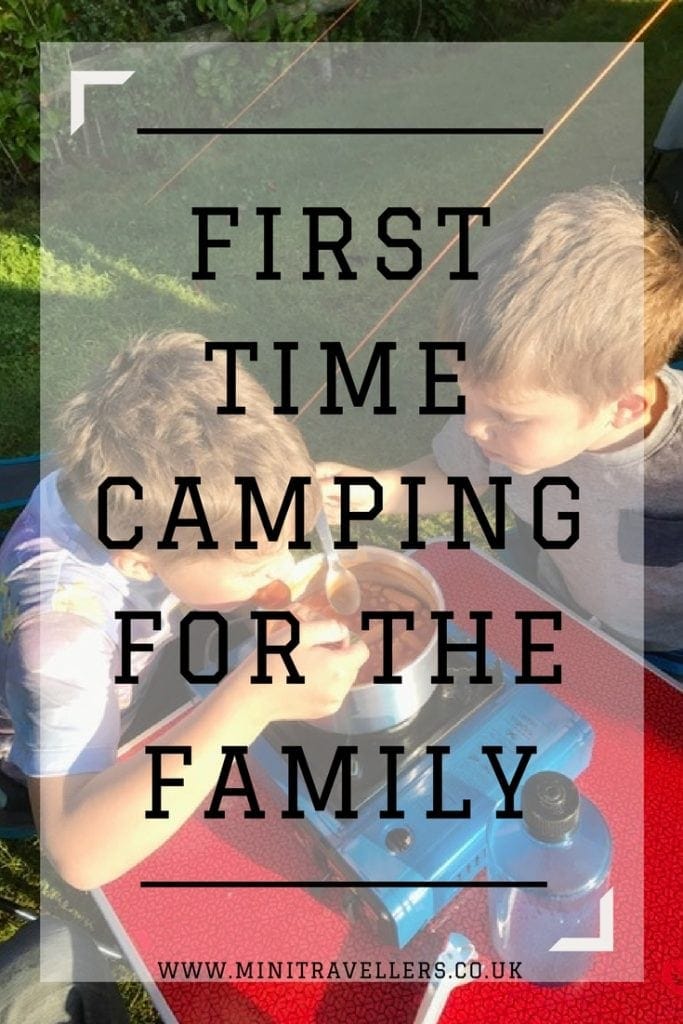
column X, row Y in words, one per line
column 376, row 706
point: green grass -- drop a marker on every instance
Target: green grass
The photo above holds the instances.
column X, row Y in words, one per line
column 86, row 278
column 20, row 345
column 618, row 20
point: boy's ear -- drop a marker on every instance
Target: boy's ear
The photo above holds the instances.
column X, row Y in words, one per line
column 133, row 565
column 630, row 408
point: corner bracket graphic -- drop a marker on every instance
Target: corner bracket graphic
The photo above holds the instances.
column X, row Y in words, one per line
column 601, row 943
column 79, row 80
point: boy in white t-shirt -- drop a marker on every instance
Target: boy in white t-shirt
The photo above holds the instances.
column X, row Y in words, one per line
column 148, row 419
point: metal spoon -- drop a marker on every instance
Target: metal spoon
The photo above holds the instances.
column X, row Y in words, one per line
column 341, row 586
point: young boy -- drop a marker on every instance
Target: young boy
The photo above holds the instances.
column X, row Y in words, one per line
column 577, row 310
column 150, row 416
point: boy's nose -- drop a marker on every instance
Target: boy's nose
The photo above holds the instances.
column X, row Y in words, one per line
column 476, row 427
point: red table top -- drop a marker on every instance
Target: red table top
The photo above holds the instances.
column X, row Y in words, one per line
column 605, row 686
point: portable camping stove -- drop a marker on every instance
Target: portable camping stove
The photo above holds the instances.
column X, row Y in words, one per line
column 461, row 716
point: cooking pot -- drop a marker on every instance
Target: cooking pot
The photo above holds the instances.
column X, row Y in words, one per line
column 376, row 706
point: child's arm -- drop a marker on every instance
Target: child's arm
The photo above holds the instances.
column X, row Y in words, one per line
column 435, row 495
column 93, row 827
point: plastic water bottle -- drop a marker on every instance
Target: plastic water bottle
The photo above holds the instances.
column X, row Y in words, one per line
column 562, row 839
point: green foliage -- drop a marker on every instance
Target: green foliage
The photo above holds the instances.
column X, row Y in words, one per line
column 460, row 20
column 22, row 26
column 94, row 20
column 19, row 351
column 26, row 23
column 236, row 15
column 259, row 20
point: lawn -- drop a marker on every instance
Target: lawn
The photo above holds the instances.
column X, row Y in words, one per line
column 84, row 278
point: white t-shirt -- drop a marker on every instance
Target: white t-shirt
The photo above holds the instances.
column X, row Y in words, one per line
column 60, row 641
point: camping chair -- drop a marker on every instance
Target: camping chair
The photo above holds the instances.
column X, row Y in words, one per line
column 16, row 822
column 18, row 477
column 669, row 141
column 16, row 819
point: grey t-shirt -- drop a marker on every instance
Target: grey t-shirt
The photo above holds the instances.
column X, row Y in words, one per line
column 626, row 568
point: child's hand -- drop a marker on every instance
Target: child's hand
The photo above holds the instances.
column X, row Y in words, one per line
column 360, row 496
column 435, row 496
column 330, row 672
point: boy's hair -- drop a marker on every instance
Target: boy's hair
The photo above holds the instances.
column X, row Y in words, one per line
column 581, row 295
column 151, row 414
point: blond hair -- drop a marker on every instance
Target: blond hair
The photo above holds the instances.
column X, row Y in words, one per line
column 580, row 295
column 151, row 414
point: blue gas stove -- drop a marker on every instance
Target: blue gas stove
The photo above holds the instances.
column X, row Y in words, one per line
column 461, row 716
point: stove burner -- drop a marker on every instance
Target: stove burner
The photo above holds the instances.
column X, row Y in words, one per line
column 450, row 705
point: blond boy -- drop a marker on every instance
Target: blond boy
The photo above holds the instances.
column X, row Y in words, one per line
column 568, row 331
column 151, row 416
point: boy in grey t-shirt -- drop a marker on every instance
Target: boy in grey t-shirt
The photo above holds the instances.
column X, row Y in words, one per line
column 567, row 333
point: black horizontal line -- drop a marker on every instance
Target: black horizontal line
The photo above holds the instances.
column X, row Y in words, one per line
column 340, row 131
column 202, row 883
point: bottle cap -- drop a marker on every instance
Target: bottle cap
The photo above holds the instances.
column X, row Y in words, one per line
column 550, row 806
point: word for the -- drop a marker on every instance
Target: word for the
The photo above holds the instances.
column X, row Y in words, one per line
column 286, row 641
